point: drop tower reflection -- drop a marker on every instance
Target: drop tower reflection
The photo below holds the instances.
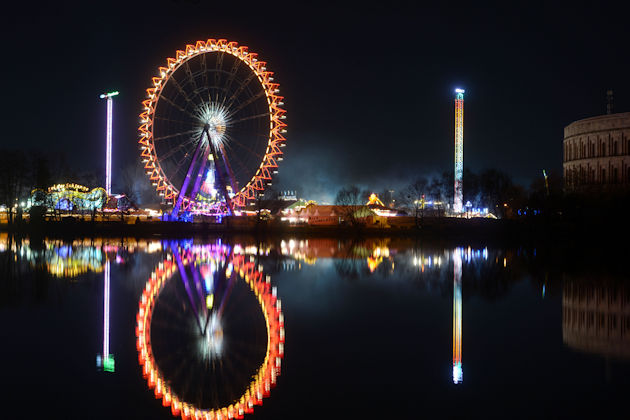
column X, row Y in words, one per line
column 458, row 373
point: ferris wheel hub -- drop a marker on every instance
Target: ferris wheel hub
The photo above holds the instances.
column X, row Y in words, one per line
column 214, row 121
column 214, row 337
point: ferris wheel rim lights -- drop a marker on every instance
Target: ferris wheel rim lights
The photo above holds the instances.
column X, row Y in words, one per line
column 267, row 373
column 276, row 140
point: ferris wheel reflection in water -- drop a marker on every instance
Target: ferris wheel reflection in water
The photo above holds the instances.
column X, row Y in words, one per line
column 210, row 331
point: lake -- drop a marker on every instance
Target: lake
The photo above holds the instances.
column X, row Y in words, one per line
column 275, row 328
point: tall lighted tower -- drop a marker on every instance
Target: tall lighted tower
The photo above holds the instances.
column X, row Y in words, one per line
column 458, row 373
column 458, row 197
column 108, row 150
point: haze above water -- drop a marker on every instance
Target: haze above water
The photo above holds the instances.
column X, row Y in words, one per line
column 377, row 328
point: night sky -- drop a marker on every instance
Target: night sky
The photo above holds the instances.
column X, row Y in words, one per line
column 368, row 90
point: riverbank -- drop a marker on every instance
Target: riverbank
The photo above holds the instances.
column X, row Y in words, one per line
column 477, row 229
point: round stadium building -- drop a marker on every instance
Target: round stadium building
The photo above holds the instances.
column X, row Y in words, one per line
column 596, row 154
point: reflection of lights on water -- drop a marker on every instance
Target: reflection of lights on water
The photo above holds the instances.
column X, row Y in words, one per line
column 373, row 263
column 68, row 261
column 212, row 343
column 71, row 259
column 468, row 255
column 154, row 246
column 458, row 373
column 212, row 338
column 106, row 360
column 457, row 317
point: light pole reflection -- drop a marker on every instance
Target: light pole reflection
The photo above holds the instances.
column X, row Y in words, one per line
column 458, row 373
column 106, row 360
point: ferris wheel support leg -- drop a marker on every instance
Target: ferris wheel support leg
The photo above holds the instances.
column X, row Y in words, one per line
column 228, row 167
column 221, row 182
column 197, row 185
column 184, row 277
column 182, row 191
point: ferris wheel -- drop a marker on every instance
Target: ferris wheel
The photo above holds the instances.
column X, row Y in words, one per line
column 212, row 128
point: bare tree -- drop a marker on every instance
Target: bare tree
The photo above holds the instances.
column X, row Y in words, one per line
column 350, row 204
column 14, row 179
column 412, row 197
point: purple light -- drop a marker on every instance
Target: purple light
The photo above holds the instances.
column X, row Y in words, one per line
column 108, row 153
column 108, row 176
column 106, row 312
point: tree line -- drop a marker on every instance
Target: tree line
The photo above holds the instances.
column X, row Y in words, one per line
column 492, row 189
column 21, row 172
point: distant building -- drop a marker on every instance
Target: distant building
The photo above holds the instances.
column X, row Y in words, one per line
column 287, row 196
column 312, row 214
column 596, row 154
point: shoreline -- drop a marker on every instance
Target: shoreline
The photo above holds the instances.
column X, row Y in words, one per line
column 485, row 230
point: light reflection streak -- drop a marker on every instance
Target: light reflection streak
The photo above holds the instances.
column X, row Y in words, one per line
column 70, row 259
column 105, row 360
column 458, row 373
column 106, row 311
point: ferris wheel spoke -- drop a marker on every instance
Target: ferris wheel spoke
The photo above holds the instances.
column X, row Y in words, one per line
column 169, row 136
column 228, row 168
column 232, row 75
column 192, row 80
column 239, row 90
column 219, row 65
column 176, row 149
column 173, row 104
column 233, row 158
column 211, row 98
column 204, row 70
column 243, row 146
column 249, row 101
column 253, row 117
column 181, row 90
column 158, row 117
column 241, row 165
column 178, row 166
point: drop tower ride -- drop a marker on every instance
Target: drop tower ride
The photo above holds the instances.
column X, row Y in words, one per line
column 458, row 197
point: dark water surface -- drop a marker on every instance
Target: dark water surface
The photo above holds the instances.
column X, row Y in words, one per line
column 374, row 328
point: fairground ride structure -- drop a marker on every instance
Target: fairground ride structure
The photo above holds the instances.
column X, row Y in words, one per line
column 212, row 128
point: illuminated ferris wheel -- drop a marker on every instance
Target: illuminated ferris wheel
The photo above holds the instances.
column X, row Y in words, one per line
column 212, row 128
